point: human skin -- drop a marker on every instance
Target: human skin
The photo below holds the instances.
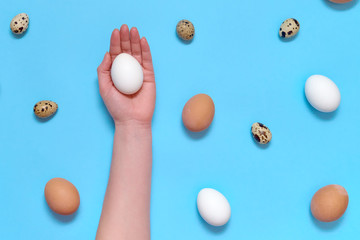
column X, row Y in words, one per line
column 340, row 1
column 126, row 209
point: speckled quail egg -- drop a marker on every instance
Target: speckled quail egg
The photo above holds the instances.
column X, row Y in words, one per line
column 45, row 109
column 20, row 23
column 185, row 30
column 289, row 28
column 261, row 133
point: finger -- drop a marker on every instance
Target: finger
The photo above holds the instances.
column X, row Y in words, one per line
column 125, row 39
column 115, row 47
column 104, row 73
column 146, row 55
column 135, row 44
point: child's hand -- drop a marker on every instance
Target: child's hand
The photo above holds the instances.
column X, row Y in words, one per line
column 137, row 108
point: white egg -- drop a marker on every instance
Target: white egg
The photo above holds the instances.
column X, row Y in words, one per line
column 322, row 93
column 127, row 74
column 213, row 207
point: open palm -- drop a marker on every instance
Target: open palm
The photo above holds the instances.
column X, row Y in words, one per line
column 138, row 107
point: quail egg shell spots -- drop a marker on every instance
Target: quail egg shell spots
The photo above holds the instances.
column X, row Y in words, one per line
column 261, row 133
column 127, row 74
column 20, row 23
column 45, row 108
column 185, row 30
column 322, row 93
column 213, row 207
column 289, row 28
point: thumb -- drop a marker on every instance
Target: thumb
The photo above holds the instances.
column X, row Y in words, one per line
column 104, row 73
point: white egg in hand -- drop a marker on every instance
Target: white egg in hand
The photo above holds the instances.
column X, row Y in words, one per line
column 322, row 93
column 213, row 207
column 127, row 74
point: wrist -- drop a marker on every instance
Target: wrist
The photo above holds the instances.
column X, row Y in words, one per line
column 133, row 126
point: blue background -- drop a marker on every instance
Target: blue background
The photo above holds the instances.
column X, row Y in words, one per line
column 238, row 59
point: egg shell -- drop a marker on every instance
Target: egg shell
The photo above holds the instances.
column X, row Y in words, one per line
column 185, row 30
column 340, row 1
column 20, row 23
column 45, row 108
column 62, row 196
column 289, row 28
column 322, row 93
column 213, row 207
column 261, row 133
column 127, row 74
column 198, row 113
column 329, row 203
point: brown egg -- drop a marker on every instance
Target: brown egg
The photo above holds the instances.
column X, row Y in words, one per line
column 198, row 113
column 329, row 203
column 340, row 1
column 62, row 196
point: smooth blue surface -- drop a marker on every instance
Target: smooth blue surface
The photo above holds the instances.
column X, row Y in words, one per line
column 238, row 59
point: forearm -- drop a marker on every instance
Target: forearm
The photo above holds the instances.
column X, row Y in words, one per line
column 126, row 208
